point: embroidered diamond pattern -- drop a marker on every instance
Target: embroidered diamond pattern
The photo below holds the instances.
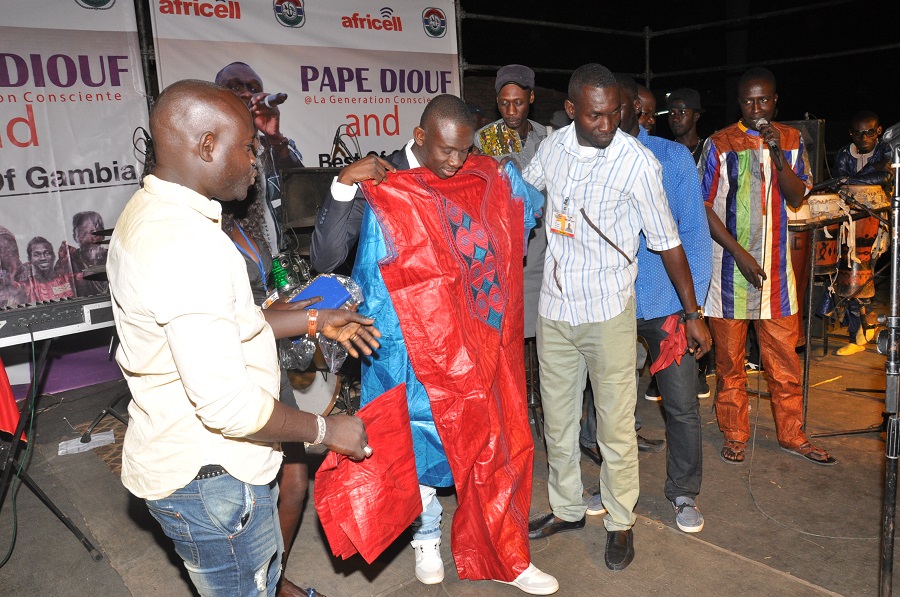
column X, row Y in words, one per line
column 474, row 245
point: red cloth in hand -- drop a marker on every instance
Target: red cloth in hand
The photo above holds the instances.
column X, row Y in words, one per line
column 673, row 346
column 364, row 506
column 9, row 411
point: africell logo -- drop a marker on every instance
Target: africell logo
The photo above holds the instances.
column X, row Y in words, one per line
column 387, row 22
column 221, row 9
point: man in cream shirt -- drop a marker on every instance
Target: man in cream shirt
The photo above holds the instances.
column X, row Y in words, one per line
column 199, row 356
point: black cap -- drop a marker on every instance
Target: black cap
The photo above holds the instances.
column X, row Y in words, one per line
column 514, row 73
column 475, row 109
column 690, row 97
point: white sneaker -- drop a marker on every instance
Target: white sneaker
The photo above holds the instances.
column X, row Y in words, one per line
column 534, row 582
column 429, row 565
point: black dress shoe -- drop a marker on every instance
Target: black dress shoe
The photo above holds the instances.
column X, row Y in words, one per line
column 619, row 549
column 591, row 452
column 550, row 525
column 650, row 445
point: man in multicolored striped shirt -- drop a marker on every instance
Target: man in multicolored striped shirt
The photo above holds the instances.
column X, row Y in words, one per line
column 750, row 171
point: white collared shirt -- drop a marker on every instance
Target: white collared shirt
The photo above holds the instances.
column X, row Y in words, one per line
column 620, row 189
column 198, row 355
column 346, row 192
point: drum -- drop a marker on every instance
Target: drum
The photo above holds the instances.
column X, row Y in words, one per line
column 799, row 244
column 315, row 391
column 826, row 251
column 872, row 196
column 856, row 279
column 825, row 205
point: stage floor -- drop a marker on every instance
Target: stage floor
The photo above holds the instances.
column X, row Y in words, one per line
column 776, row 525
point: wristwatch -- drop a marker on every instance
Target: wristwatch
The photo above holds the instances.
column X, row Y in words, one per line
column 698, row 314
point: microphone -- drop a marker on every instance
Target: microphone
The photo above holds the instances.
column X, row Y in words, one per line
column 274, row 99
column 830, row 184
column 336, row 142
column 777, row 157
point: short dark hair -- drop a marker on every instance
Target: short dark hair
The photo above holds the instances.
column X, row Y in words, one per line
column 628, row 83
column 444, row 108
column 590, row 75
column 755, row 74
column 865, row 115
column 37, row 240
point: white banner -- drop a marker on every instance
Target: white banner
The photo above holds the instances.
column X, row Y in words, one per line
column 71, row 95
column 366, row 68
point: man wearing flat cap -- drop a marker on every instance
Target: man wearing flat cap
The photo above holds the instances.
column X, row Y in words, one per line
column 516, row 136
column 684, row 112
column 513, row 134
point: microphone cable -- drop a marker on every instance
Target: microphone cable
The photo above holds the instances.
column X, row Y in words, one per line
column 766, row 219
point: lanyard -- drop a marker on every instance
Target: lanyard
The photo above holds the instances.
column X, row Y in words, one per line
column 255, row 257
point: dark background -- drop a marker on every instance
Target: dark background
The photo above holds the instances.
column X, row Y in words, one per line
column 831, row 59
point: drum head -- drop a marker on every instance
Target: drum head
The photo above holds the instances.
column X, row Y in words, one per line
column 320, row 395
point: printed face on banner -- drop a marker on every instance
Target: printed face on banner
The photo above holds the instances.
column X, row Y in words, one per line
column 343, row 69
column 71, row 95
column 241, row 80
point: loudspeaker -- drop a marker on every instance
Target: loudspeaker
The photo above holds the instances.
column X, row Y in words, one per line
column 813, row 134
column 303, row 191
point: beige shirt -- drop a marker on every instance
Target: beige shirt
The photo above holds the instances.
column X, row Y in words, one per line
column 199, row 358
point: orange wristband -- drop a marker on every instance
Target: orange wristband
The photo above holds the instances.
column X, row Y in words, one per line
column 312, row 315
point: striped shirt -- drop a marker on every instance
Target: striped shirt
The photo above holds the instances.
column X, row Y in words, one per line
column 586, row 279
column 740, row 184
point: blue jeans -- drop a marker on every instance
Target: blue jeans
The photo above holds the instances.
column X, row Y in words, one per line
column 227, row 533
column 678, row 386
column 428, row 524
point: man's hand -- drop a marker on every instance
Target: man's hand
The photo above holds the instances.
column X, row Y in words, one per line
column 346, row 434
column 750, row 268
column 370, row 167
column 770, row 134
column 283, row 305
column 267, row 118
column 351, row 329
column 698, row 337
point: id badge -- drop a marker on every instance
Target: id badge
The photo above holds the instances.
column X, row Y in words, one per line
column 563, row 224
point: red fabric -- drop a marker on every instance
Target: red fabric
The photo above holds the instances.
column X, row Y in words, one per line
column 9, row 410
column 364, row 506
column 672, row 347
column 454, row 272
column 777, row 339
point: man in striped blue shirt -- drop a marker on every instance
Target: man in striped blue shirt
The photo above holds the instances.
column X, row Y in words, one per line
column 603, row 189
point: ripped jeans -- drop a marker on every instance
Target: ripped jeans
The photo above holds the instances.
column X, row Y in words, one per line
column 227, row 533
